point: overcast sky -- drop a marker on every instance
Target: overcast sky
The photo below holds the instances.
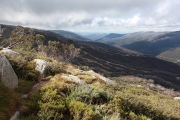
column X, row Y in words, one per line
column 119, row 16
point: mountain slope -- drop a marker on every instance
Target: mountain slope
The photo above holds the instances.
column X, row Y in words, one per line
column 70, row 35
column 95, row 36
column 116, row 63
column 109, row 37
column 133, row 37
column 164, row 45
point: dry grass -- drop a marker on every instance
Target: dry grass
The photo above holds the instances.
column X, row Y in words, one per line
column 8, row 102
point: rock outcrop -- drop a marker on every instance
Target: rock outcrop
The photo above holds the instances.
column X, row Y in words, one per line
column 8, row 51
column 15, row 116
column 73, row 78
column 176, row 98
column 41, row 65
column 7, row 75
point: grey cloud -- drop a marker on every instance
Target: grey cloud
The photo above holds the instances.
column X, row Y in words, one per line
column 89, row 14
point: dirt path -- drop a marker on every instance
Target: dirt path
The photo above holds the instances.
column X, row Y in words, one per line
column 37, row 86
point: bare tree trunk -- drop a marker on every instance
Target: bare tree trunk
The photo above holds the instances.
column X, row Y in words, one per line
column 1, row 33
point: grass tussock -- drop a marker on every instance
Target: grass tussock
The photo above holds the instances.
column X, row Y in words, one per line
column 8, row 102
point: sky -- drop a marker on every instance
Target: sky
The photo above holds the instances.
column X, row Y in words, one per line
column 95, row 16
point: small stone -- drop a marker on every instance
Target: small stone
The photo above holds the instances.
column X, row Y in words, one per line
column 74, row 78
column 15, row 116
column 24, row 96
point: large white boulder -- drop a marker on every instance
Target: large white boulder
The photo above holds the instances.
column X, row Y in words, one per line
column 7, row 75
column 41, row 65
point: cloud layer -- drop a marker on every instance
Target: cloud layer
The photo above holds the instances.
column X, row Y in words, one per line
column 118, row 16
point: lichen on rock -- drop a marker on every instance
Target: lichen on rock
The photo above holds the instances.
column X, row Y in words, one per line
column 7, row 74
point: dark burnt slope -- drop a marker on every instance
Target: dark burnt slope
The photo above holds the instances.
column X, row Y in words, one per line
column 112, row 62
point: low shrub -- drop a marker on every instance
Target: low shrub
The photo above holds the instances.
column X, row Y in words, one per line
column 141, row 107
column 23, row 68
column 24, row 86
column 55, row 68
column 89, row 95
column 84, row 68
column 52, row 105
column 32, row 104
column 62, row 84
column 8, row 102
column 81, row 111
column 29, row 73
column 89, row 79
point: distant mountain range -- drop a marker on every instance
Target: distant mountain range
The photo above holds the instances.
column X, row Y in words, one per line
column 109, row 37
column 70, row 35
column 95, row 36
column 164, row 45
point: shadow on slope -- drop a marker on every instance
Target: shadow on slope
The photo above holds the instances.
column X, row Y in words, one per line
column 157, row 46
column 117, row 63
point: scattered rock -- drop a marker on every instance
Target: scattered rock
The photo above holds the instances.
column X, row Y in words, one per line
column 24, row 96
column 176, row 98
column 41, row 65
column 72, row 77
column 8, row 51
column 15, row 116
column 106, row 79
column 7, row 74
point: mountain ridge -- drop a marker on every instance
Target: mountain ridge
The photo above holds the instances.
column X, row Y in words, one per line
column 70, row 35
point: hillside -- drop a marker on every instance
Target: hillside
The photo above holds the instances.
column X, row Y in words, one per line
column 164, row 45
column 95, row 36
column 70, row 35
column 133, row 37
column 109, row 37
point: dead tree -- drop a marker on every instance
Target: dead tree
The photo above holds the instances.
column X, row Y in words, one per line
column 1, row 33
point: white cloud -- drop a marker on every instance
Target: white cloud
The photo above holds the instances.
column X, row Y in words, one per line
column 93, row 15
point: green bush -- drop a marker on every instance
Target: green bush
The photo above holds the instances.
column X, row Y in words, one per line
column 133, row 116
column 29, row 73
column 62, row 84
column 7, row 102
column 134, row 107
column 89, row 95
column 55, row 68
column 52, row 105
column 81, row 111
column 24, row 86
column 85, row 68
column 32, row 104
column 23, row 68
